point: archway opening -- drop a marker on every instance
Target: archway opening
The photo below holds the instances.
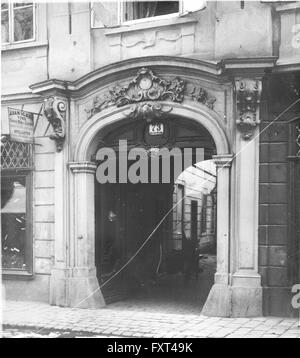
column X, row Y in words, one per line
column 155, row 243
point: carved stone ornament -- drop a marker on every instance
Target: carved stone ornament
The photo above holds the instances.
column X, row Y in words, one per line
column 55, row 112
column 148, row 111
column 248, row 98
column 202, row 96
column 144, row 87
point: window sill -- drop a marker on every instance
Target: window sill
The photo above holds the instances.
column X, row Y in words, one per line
column 147, row 24
column 16, row 274
column 23, row 45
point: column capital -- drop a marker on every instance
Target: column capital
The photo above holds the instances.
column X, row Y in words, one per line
column 83, row 167
column 223, row 160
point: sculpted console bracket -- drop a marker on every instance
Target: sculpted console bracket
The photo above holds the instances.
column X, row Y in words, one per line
column 248, row 93
column 55, row 112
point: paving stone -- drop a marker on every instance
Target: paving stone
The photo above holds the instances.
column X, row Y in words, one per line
column 122, row 321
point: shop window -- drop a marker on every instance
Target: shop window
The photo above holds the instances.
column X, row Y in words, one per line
column 16, row 234
column 17, row 22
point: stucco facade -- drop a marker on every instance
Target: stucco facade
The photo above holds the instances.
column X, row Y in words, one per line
column 226, row 49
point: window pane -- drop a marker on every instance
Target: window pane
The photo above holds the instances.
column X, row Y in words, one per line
column 13, row 222
column 19, row 4
column 4, row 5
column 134, row 10
column 179, row 209
column 16, row 155
column 23, row 24
column 4, row 26
column 105, row 13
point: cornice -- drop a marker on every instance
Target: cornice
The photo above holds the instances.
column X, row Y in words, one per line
column 124, row 69
column 178, row 66
column 21, row 97
column 252, row 66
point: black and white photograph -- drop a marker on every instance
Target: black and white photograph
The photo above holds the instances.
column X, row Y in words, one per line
column 150, row 172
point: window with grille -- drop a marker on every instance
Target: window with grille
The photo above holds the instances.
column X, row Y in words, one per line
column 16, row 155
column 16, row 207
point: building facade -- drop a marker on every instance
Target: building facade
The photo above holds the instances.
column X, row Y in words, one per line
column 223, row 76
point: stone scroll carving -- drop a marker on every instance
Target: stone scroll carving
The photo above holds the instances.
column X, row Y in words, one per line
column 55, row 112
column 202, row 96
column 144, row 87
column 248, row 93
column 148, row 111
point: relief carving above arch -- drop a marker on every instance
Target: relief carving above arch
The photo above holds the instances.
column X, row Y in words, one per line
column 147, row 87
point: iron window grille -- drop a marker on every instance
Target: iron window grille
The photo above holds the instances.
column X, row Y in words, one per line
column 16, row 155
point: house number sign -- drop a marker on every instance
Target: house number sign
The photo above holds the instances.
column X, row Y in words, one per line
column 156, row 129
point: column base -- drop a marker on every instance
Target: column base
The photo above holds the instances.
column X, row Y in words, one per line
column 218, row 302
column 247, row 301
column 233, row 301
column 75, row 287
column 247, row 294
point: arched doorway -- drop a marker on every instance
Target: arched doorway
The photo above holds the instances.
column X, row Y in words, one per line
column 83, row 170
column 155, row 241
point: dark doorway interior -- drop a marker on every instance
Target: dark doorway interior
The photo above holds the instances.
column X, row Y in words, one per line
column 175, row 268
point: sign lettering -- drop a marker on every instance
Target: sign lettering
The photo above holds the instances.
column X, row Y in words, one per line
column 20, row 125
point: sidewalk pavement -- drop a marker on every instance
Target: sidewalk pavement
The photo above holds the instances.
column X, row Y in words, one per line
column 127, row 322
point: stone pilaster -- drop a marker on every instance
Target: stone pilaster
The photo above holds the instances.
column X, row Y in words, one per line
column 218, row 302
column 77, row 285
column 246, row 281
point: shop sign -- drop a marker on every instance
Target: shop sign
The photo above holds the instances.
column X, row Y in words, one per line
column 20, row 125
